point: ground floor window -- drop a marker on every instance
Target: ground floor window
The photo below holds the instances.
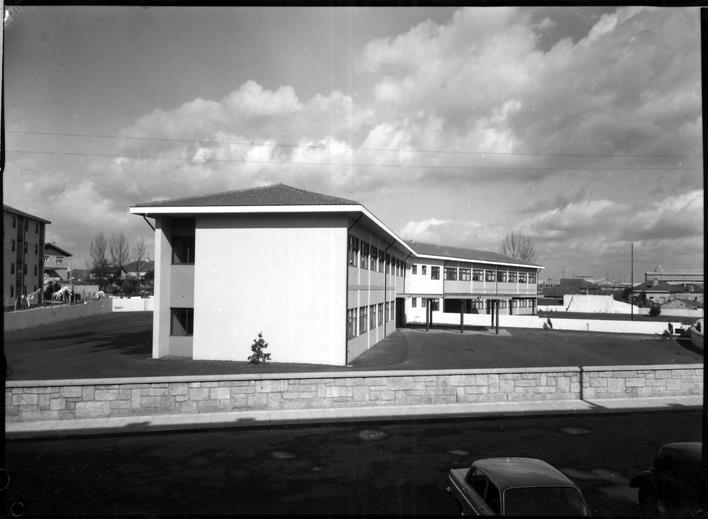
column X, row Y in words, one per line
column 12, row 291
column 502, row 304
column 351, row 323
column 372, row 317
column 391, row 309
column 380, row 314
column 414, row 302
column 362, row 320
column 182, row 321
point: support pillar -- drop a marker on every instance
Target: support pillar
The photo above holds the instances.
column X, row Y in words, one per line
column 462, row 315
column 427, row 314
column 497, row 327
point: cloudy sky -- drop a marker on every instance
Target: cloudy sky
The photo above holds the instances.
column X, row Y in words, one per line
column 580, row 127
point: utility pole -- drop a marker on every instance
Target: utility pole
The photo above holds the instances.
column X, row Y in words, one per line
column 631, row 280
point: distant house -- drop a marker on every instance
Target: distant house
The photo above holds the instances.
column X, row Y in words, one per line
column 57, row 263
column 571, row 286
column 23, row 248
column 654, row 291
column 131, row 270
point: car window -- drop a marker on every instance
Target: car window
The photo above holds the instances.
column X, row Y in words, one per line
column 478, row 482
column 543, row 501
column 492, row 498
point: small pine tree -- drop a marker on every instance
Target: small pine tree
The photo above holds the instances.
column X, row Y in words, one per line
column 257, row 348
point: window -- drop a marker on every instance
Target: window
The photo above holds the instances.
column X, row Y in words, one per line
column 512, row 276
column 12, row 244
column 59, row 260
column 12, row 290
column 372, row 317
column 397, row 266
column 502, row 304
column 25, row 246
column 12, row 268
column 532, row 277
column 388, row 263
column 423, row 269
column 490, row 275
column 26, row 225
column 182, row 322
column 388, row 310
column 353, row 250
column 434, row 304
column 351, row 323
column 391, row 308
column 451, row 273
column 35, row 270
column 434, row 272
column 465, row 274
column 414, row 269
column 477, row 274
column 364, row 256
column 24, row 271
column 414, row 302
column 14, row 222
column 374, row 258
column 183, row 250
column 522, row 277
column 502, row 276
column 382, row 258
column 380, row 314
column 36, row 248
column 36, row 228
column 362, row 319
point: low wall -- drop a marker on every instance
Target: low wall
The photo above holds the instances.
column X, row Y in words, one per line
column 53, row 314
column 682, row 312
column 69, row 399
column 533, row 321
column 133, row 304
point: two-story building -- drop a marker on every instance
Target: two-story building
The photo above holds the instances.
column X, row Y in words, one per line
column 23, row 251
column 321, row 276
column 57, row 263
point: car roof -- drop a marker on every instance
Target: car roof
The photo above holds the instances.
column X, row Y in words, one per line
column 522, row 472
column 686, row 449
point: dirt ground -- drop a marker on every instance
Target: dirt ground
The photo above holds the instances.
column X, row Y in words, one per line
column 119, row 345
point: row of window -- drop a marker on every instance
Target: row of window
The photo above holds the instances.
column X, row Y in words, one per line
column 366, row 256
column 14, row 225
column 472, row 303
column 467, row 274
column 365, row 318
column 12, row 246
column 24, row 269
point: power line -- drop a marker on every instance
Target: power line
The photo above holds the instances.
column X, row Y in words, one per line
column 362, row 148
column 350, row 164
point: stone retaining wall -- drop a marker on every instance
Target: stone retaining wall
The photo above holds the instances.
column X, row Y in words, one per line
column 69, row 399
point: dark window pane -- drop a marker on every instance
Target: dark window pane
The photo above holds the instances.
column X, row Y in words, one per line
column 182, row 250
column 182, row 322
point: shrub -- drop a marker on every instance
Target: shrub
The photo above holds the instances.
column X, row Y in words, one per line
column 654, row 310
column 257, row 348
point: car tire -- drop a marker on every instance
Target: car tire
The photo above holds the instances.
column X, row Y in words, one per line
column 648, row 506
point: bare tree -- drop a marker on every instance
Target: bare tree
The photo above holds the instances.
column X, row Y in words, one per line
column 139, row 256
column 119, row 250
column 98, row 253
column 518, row 246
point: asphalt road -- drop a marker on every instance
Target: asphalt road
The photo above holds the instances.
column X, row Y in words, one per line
column 366, row 468
column 119, row 345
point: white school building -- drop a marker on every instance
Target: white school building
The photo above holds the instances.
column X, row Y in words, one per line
column 322, row 277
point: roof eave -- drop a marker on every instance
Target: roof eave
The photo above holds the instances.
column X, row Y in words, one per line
column 477, row 260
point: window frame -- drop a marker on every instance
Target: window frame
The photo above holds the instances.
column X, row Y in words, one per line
column 363, row 320
column 490, row 275
column 188, row 325
column 477, row 275
column 450, row 273
column 364, row 255
column 435, row 272
column 353, row 251
column 465, row 274
column 176, row 243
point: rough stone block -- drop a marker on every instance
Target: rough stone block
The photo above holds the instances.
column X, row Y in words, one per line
column 635, row 382
column 199, row 393
column 105, row 394
column 360, row 394
column 398, row 383
column 25, row 399
column 43, row 402
column 87, row 392
column 135, row 398
column 57, row 404
column 673, row 384
column 220, row 393
column 269, row 386
column 92, row 409
column 70, row 391
column 156, row 391
column 257, row 400
column 506, row 386
column 382, row 395
column 120, row 404
column 615, row 385
column 242, row 389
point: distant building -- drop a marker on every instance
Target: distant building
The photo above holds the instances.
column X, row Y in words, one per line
column 57, row 263
column 674, row 276
column 23, row 255
column 144, row 269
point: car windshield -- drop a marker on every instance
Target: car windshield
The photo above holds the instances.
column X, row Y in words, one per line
column 543, row 501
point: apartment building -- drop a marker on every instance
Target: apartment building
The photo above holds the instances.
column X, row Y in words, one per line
column 321, row 276
column 57, row 263
column 23, row 254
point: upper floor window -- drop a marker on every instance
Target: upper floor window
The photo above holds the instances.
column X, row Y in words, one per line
column 490, row 275
column 414, row 302
column 451, row 273
column 12, row 268
column 25, row 246
column 36, row 228
column 14, row 222
column 59, row 260
column 423, row 269
column 512, row 276
column 465, row 274
column 12, row 244
column 434, row 272
column 26, row 225
column 522, row 277
column 532, row 277
column 353, row 252
column 477, row 274
column 183, row 250
column 502, row 276
column 388, row 263
column 414, row 269
column 374, row 258
column 36, row 248
column 35, row 270
column 364, row 255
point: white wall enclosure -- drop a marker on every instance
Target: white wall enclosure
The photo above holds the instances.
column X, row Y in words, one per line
column 321, row 277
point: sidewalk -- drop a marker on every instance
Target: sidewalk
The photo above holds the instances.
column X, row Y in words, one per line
column 161, row 423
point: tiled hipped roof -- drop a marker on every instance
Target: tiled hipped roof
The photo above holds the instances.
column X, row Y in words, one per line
column 275, row 195
column 429, row 249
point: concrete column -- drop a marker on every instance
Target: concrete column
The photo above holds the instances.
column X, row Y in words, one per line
column 161, row 313
column 462, row 315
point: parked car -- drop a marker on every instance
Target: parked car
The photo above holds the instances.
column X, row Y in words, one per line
column 672, row 485
column 515, row 486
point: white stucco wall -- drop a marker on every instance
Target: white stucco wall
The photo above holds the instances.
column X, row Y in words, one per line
column 282, row 275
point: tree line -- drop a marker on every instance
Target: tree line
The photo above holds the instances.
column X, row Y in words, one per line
column 108, row 255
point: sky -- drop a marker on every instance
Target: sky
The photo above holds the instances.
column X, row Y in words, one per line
column 579, row 127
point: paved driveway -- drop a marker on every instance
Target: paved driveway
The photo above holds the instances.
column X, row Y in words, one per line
column 119, row 345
